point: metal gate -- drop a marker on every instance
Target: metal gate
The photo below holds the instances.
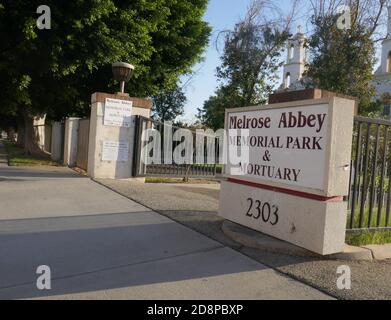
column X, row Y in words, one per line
column 162, row 168
column 370, row 177
column 82, row 144
column 370, row 190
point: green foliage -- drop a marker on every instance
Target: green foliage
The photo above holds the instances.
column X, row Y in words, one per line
column 55, row 71
column 178, row 180
column 17, row 157
column 343, row 61
column 367, row 238
column 168, row 104
column 212, row 114
column 250, row 61
column 248, row 70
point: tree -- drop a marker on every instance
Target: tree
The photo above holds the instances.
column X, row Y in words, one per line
column 251, row 56
column 55, row 71
column 249, row 62
column 343, row 58
column 168, row 104
column 212, row 114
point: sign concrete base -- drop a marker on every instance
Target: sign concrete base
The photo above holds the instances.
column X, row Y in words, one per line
column 264, row 243
column 318, row 226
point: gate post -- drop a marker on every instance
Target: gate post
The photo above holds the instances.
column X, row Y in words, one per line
column 56, row 141
column 70, row 141
column 138, row 169
column 112, row 134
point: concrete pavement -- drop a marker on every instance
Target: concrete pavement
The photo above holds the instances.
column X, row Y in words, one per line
column 169, row 197
column 100, row 245
column 370, row 279
column 37, row 192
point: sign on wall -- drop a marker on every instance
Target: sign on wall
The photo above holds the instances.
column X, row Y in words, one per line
column 118, row 113
column 285, row 146
column 115, row 151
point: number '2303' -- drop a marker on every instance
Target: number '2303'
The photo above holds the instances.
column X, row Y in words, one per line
column 265, row 211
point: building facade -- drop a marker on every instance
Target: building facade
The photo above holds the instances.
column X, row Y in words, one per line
column 295, row 65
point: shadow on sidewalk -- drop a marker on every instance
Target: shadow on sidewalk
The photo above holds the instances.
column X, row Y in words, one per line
column 17, row 173
column 107, row 252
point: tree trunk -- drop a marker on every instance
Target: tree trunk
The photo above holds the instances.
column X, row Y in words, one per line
column 11, row 133
column 21, row 136
column 30, row 138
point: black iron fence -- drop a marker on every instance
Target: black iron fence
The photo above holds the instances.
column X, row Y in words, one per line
column 370, row 191
column 83, row 135
column 163, row 163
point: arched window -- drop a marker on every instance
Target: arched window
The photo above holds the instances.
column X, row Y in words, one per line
column 287, row 80
column 291, row 52
column 389, row 62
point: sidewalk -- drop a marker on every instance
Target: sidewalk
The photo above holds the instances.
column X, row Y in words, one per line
column 196, row 207
column 100, row 245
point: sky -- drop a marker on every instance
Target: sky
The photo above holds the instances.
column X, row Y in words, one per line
column 221, row 15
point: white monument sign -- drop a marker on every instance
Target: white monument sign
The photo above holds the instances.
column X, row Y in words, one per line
column 285, row 145
column 118, row 113
column 115, row 151
column 288, row 171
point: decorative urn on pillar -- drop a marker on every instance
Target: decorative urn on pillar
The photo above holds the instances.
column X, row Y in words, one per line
column 122, row 72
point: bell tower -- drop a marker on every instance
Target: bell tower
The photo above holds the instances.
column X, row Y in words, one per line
column 382, row 76
column 296, row 60
column 386, row 48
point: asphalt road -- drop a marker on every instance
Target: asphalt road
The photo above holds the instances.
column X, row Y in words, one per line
column 101, row 245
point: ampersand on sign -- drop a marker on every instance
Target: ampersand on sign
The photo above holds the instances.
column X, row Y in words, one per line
column 267, row 156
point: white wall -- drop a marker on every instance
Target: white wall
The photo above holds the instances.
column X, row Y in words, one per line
column 70, row 141
column 56, row 141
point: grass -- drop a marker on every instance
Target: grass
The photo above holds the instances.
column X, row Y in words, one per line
column 367, row 238
column 364, row 237
column 356, row 220
column 17, row 157
column 178, row 180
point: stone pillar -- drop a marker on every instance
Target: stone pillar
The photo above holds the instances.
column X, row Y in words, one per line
column 70, row 141
column 101, row 135
column 56, row 141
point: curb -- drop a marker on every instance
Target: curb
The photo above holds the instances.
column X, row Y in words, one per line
column 256, row 240
column 380, row 252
